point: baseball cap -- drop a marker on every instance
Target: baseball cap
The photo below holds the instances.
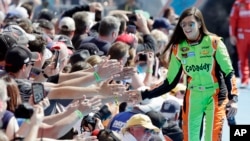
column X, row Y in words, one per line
column 162, row 23
column 92, row 48
column 170, row 106
column 21, row 36
column 18, row 12
column 126, row 38
column 157, row 118
column 54, row 45
column 150, row 104
column 77, row 56
column 142, row 120
column 45, row 24
column 18, row 56
column 6, row 42
column 67, row 24
column 46, row 14
column 65, row 39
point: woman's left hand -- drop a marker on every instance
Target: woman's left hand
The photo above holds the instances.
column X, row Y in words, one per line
column 232, row 109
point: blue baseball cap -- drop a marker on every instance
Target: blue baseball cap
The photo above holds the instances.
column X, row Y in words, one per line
column 162, row 23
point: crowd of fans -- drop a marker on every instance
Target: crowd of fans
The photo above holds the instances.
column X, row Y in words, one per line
column 70, row 76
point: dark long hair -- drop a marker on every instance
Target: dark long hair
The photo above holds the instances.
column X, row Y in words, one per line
column 178, row 34
column 13, row 93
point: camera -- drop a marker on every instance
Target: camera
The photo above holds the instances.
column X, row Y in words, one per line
column 131, row 19
column 24, row 110
column 142, row 57
column 102, row 114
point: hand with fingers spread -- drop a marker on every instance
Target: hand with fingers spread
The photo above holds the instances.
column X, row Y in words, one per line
column 108, row 89
column 126, row 73
column 134, row 96
column 108, row 68
column 89, row 105
column 73, row 105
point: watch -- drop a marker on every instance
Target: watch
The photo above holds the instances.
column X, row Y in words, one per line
column 235, row 98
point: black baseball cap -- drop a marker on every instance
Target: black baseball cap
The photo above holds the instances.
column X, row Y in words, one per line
column 92, row 48
column 6, row 42
column 78, row 56
column 17, row 56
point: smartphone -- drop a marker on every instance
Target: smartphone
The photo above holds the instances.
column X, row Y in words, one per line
column 56, row 59
column 98, row 15
column 38, row 92
column 131, row 29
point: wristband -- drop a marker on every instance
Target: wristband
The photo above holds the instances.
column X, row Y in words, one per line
column 116, row 100
column 45, row 75
column 149, row 71
column 27, row 121
column 79, row 114
column 97, row 77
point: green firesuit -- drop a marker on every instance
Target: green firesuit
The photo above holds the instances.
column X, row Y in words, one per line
column 210, row 82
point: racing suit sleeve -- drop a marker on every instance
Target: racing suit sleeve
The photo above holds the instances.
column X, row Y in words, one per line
column 173, row 77
column 223, row 59
column 234, row 19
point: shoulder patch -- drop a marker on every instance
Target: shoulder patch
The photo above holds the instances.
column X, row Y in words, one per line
column 215, row 41
column 175, row 49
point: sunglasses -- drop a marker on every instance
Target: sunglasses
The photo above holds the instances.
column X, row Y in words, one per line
column 30, row 63
column 190, row 24
column 149, row 131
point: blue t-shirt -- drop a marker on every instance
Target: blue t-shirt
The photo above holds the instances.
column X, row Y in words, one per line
column 6, row 119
